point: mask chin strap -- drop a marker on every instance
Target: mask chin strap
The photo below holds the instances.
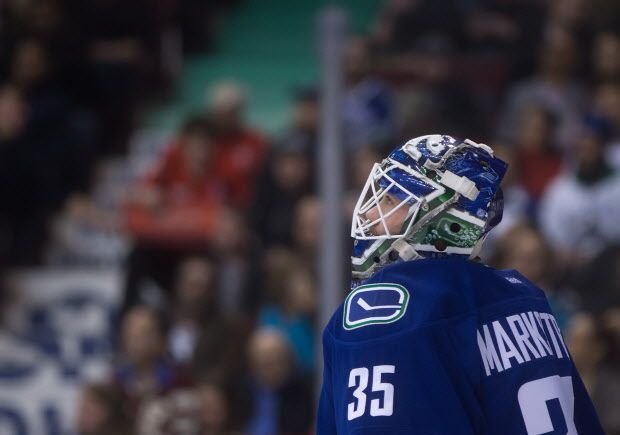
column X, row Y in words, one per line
column 405, row 250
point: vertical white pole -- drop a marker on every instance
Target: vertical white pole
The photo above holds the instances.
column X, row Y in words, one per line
column 332, row 34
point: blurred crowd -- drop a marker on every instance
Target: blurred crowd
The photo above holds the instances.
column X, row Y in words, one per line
column 217, row 228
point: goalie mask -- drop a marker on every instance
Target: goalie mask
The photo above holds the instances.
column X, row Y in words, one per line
column 432, row 197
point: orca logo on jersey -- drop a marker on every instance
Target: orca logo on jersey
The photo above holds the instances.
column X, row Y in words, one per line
column 374, row 304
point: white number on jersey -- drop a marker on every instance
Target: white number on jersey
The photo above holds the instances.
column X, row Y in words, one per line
column 358, row 379
column 533, row 397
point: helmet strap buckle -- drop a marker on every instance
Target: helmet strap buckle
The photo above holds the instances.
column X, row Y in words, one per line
column 404, row 249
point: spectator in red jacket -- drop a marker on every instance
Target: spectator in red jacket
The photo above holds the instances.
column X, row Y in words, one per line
column 239, row 150
column 179, row 201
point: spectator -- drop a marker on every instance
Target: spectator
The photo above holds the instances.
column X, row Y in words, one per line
column 202, row 333
column 438, row 97
column 281, row 401
column 606, row 56
column 539, row 161
column 51, row 21
column 408, row 25
column 599, row 281
column 120, row 43
column 586, row 347
column 292, row 312
column 307, row 228
column 101, row 411
column 523, row 248
column 571, row 14
column 276, row 266
column 607, row 104
column 31, row 67
column 88, row 231
column 236, row 252
column 578, row 17
column 610, row 320
column 57, row 131
column 193, row 306
column 46, row 19
column 239, row 150
column 286, row 179
column 288, row 173
column 577, row 212
column 590, row 352
column 216, row 409
column 219, row 345
column 174, row 413
column 144, row 372
column 179, row 200
column 303, row 131
column 198, row 22
column 508, row 29
column 204, row 410
column 368, row 111
column 21, row 224
column 553, row 86
column 609, row 401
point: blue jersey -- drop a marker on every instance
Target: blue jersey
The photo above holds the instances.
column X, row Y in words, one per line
column 449, row 347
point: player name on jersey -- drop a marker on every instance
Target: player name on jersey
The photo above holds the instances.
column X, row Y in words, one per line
column 519, row 339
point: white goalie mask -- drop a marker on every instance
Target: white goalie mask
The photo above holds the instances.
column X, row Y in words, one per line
column 386, row 208
column 431, row 197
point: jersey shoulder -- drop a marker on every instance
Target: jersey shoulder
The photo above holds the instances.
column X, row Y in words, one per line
column 418, row 293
